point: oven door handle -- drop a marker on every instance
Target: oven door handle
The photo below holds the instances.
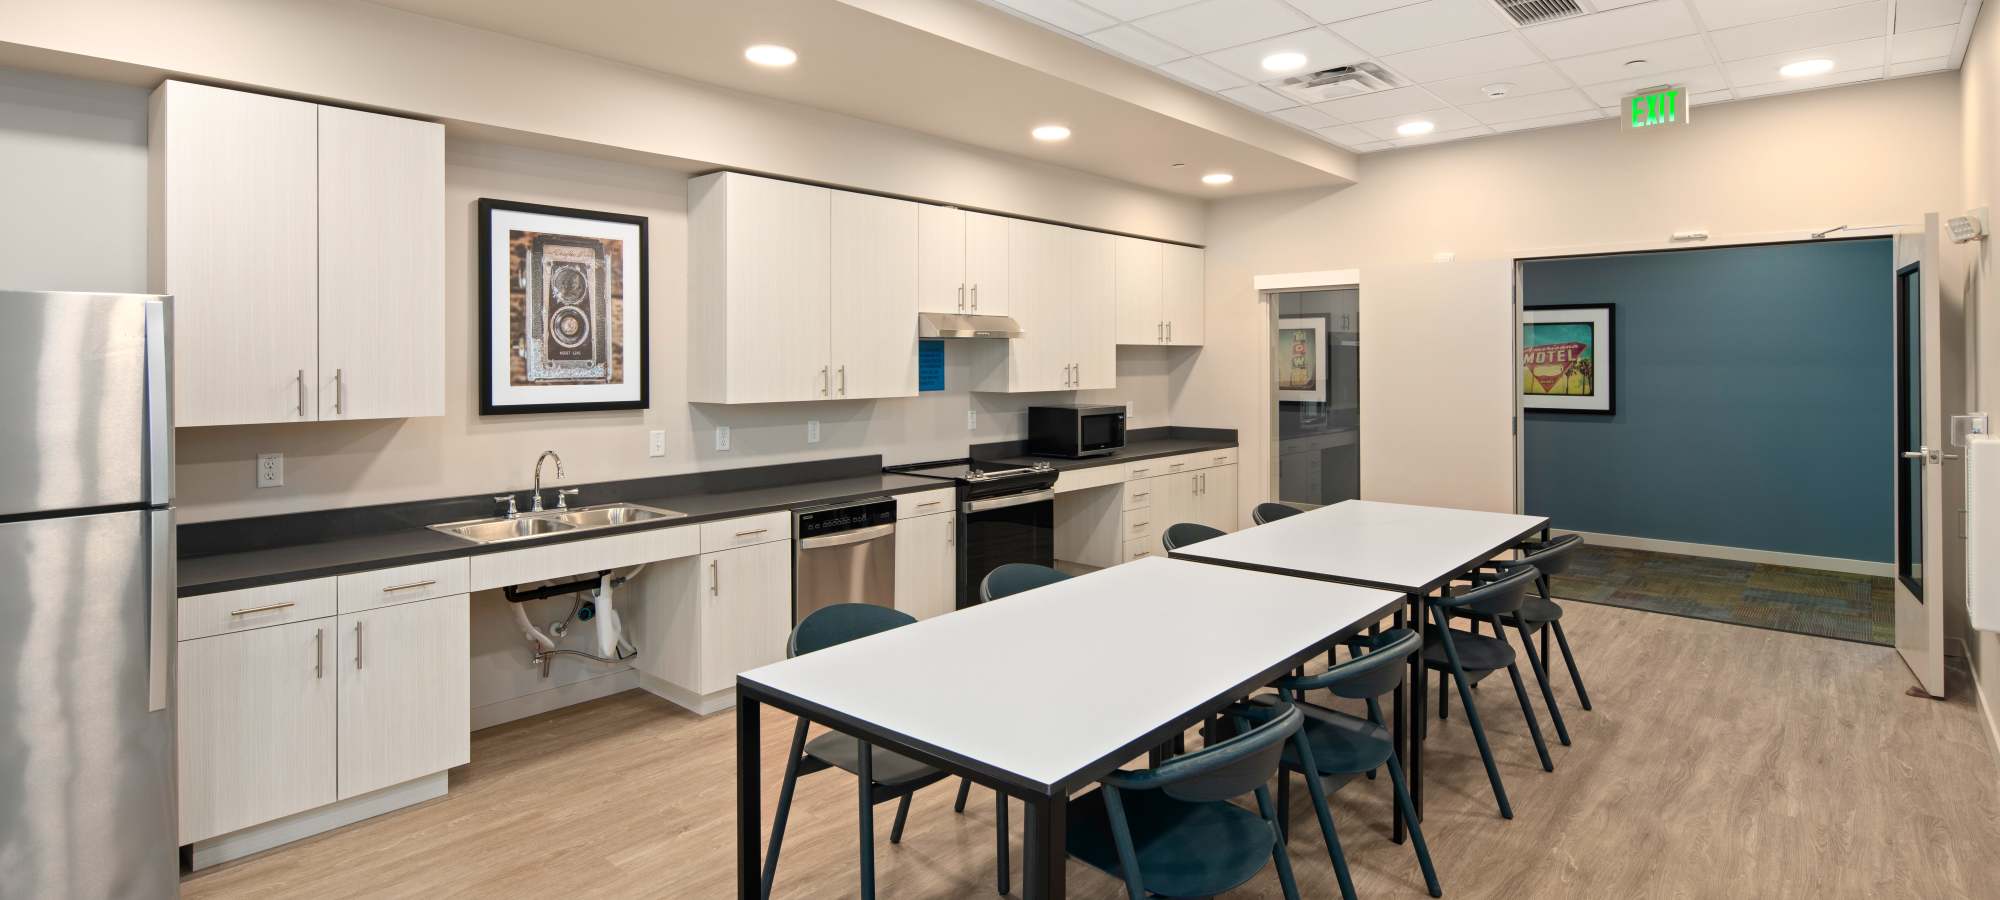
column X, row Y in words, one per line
column 993, row 503
column 844, row 538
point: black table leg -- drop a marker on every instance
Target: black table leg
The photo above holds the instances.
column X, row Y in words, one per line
column 1401, row 718
column 1414, row 762
column 749, row 805
column 1047, row 848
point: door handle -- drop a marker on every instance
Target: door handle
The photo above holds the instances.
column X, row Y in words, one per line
column 404, row 587
column 1160, row 331
column 272, row 607
column 357, row 646
column 975, row 297
column 951, row 532
column 824, row 381
column 1170, row 331
column 319, row 653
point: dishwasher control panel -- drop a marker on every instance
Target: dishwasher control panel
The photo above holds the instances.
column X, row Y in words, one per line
column 849, row 516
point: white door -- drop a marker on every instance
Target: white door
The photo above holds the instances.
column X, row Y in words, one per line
column 1139, row 318
column 255, row 727
column 1438, row 395
column 874, row 318
column 927, row 565
column 1181, row 292
column 941, row 259
column 986, row 268
column 381, row 266
column 1093, row 307
column 1920, row 449
column 1038, row 282
column 405, row 692
column 746, row 611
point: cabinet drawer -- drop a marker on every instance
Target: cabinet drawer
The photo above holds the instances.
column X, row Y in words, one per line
column 1139, row 549
column 746, row 531
column 387, row 587
column 1148, row 469
column 1139, row 494
column 258, row 607
column 1224, row 457
column 1087, row 478
column 1174, row 465
column 1139, row 525
column 924, row 503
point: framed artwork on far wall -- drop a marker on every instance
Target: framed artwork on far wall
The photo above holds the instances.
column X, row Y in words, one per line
column 562, row 309
column 1567, row 361
column 1301, row 359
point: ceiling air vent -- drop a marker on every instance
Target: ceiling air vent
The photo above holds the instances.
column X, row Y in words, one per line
column 1337, row 82
column 1536, row 12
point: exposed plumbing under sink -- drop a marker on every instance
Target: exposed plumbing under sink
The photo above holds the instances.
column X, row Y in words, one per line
column 612, row 645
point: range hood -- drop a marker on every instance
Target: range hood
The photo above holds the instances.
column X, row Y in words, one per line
column 956, row 325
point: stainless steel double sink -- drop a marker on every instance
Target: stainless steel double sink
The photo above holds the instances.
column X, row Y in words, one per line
column 527, row 526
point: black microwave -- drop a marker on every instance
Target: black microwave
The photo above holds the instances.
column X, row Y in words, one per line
column 1075, row 431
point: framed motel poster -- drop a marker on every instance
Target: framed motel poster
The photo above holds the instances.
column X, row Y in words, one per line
column 562, row 309
column 1566, row 358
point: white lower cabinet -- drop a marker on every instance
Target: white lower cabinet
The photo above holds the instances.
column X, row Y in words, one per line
column 746, row 611
column 1159, row 493
column 927, row 565
column 405, row 692
column 1215, row 497
column 255, row 726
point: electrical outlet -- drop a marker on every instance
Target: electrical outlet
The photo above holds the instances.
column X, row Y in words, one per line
column 972, row 420
column 270, row 470
column 656, row 443
column 812, row 431
column 721, row 437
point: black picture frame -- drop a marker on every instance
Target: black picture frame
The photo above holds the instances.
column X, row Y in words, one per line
column 1609, row 343
column 638, row 358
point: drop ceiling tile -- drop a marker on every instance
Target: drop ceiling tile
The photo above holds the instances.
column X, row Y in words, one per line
column 1322, row 51
column 1697, row 81
column 1381, row 104
column 1340, row 10
column 1202, row 73
column 1917, row 15
column 1441, row 137
column 1868, row 54
column 1211, row 25
column 1830, row 79
column 1610, row 30
column 1426, row 24
column 1260, row 98
column 1603, row 5
column 1569, row 118
column 1658, row 57
column 1346, row 134
column 1710, row 98
column 1532, row 106
column 1731, row 13
column 1446, row 120
column 1525, row 80
column 1138, row 45
column 1480, row 54
column 1817, row 29
column 1127, row 10
column 1306, row 117
column 1909, row 46
column 1068, row 15
column 1372, row 147
column 1919, row 67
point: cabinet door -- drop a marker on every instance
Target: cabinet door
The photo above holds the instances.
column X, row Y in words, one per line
column 405, row 692
column 987, row 250
column 381, row 266
column 255, row 726
column 759, row 282
column 941, row 259
column 746, row 611
column 237, row 190
column 1217, row 487
column 927, row 565
column 1093, row 304
column 1140, row 320
column 1182, row 491
column 1181, row 292
column 1038, row 266
column 874, row 318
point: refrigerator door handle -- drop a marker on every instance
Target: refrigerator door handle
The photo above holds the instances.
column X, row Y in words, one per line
column 160, row 608
column 159, row 404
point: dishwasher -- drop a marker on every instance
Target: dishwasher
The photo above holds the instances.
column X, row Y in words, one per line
column 843, row 553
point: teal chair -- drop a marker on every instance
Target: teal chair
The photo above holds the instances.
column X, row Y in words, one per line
column 1539, row 612
column 1171, row 830
column 1465, row 657
column 1271, row 512
column 1181, row 534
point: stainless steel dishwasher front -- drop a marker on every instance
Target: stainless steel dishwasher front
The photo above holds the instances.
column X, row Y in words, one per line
column 844, row 553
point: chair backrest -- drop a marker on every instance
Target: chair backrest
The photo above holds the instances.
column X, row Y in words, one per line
column 843, row 622
column 1376, row 673
column 1009, row 579
column 1272, row 512
column 1498, row 597
column 1223, row 770
column 1553, row 557
column 1181, row 534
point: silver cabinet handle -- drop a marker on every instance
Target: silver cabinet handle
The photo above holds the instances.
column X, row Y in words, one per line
column 302, row 393
column 1170, row 331
column 1137, row 473
column 1142, row 496
column 824, row 381
column 1223, row 458
column 1142, row 524
column 258, row 609
column 961, row 296
column 929, row 503
column 357, row 646
column 951, row 532
column 1160, row 331
column 319, row 653
column 847, row 538
column 414, row 584
column 843, row 381
column 975, row 296
column 714, row 578
column 336, row 391
column 993, row 503
column 751, row 532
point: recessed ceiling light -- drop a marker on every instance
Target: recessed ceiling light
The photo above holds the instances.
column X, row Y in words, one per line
column 1284, row 61
column 1051, row 132
column 1417, row 128
column 770, row 55
column 1217, row 178
column 1806, row 68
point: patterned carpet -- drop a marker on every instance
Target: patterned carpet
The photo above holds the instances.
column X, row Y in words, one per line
column 1804, row 601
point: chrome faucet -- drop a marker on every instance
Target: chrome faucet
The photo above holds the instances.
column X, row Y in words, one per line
column 546, row 455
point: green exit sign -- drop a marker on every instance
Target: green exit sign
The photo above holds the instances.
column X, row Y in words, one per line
column 1655, row 107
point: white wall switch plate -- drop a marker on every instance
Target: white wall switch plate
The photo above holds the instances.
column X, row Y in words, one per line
column 812, row 431
column 1445, row 256
column 972, row 420
column 721, row 437
column 656, row 443
column 270, row 470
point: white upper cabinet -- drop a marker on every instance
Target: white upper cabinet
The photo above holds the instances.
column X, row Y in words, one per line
column 381, row 266
column 941, row 285
column 987, row 269
column 760, row 279
column 304, row 247
column 1181, row 293
column 1064, row 295
column 875, row 286
column 1159, row 293
column 1093, row 310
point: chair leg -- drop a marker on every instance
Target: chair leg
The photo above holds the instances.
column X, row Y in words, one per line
column 1416, row 828
column 1575, row 676
column 866, row 778
column 1121, row 836
column 1279, row 857
column 1539, row 663
column 1001, row 836
column 902, row 815
column 1317, row 789
column 1284, row 805
column 1472, row 716
column 784, row 807
column 964, row 791
column 1528, row 713
column 1444, row 699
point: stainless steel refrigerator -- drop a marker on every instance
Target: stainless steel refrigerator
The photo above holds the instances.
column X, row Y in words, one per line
column 87, row 595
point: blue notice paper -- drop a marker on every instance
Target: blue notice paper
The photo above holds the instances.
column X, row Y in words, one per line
column 930, row 365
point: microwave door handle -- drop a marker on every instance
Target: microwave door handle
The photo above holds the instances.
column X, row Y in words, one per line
column 993, row 503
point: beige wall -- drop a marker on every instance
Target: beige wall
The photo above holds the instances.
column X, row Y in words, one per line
column 73, row 184
column 1785, row 164
column 1980, row 105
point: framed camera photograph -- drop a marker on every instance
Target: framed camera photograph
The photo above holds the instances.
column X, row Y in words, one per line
column 562, row 315
column 1566, row 358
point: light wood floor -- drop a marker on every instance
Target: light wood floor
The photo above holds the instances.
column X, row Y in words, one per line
column 1720, row 762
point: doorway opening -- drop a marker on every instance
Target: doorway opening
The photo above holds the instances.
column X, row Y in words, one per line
column 1316, row 413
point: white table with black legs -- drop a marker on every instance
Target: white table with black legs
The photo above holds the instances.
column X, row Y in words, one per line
column 1412, row 550
column 1042, row 693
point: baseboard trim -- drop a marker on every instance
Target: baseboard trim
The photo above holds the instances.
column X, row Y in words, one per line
column 278, row 832
column 1741, row 554
column 699, row 704
column 1985, row 707
column 539, row 702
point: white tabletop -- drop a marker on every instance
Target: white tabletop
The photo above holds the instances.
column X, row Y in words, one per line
column 1042, row 685
column 1388, row 545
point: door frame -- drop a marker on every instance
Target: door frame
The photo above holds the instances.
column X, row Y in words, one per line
column 1266, row 287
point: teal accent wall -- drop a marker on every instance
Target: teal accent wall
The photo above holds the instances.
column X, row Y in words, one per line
column 1753, row 394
